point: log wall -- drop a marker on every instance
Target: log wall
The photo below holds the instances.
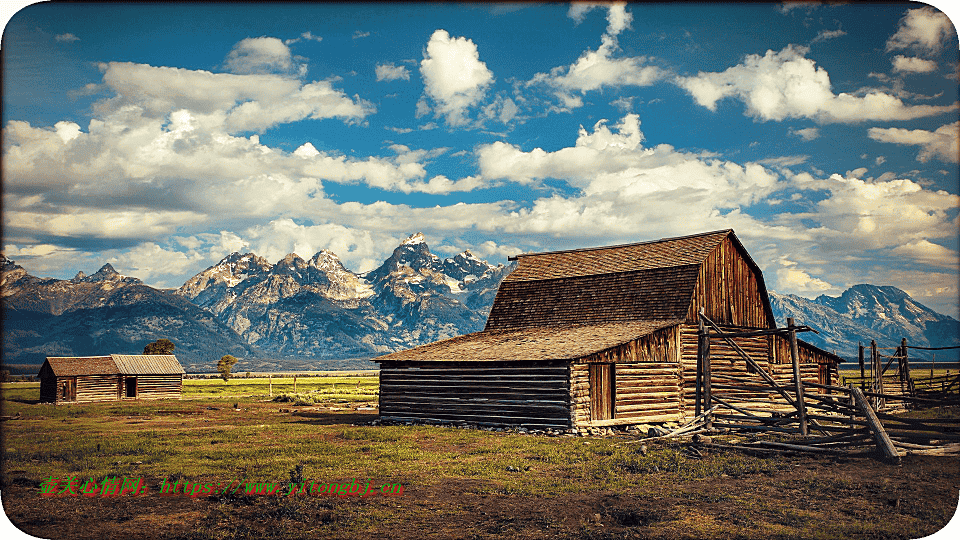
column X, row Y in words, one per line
column 728, row 368
column 486, row 393
column 729, row 290
column 647, row 375
column 93, row 388
column 159, row 386
column 97, row 388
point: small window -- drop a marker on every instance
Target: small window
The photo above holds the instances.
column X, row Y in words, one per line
column 131, row 387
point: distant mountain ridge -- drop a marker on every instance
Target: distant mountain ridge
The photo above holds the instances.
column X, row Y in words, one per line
column 863, row 313
column 318, row 309
column 100, row 314
column 306, row 314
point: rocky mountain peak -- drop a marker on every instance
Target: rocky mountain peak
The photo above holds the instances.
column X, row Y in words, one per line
column 413, row 239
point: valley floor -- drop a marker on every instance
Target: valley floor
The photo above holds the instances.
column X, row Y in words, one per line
column 457, row 483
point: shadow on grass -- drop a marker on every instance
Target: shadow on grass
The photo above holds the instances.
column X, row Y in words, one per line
column 23, row 400
column 317, row 418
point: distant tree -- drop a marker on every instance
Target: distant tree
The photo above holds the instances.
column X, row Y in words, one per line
column 224, row 365
column 160, row 346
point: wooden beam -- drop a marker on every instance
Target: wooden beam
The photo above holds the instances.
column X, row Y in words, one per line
column 880, row 434
column 798, row 385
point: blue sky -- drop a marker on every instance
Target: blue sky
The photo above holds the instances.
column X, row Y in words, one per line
column 160, row 138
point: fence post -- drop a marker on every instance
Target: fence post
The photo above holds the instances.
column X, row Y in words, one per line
column 906, row 368
column 798, row 384
column 860, row 357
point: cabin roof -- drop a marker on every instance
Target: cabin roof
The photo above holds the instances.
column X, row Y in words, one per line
column 124, row 364
column 531, row 344
column 147, row 364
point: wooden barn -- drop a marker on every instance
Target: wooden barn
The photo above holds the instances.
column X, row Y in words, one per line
column 118, row 377
column 596, row 337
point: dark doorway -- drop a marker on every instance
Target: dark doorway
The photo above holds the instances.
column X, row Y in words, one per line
column 68, row 390
column 131, row 387
column 602, row 391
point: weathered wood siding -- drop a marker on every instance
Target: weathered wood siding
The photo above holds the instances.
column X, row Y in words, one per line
column 158, row 387
column 97, row 388
column 728, row 367
column 729, row 290
column 502, row 393
column 647, row 379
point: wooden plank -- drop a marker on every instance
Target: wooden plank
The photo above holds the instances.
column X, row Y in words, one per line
column 883, row 440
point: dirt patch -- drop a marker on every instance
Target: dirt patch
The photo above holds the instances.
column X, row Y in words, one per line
column 814, row 498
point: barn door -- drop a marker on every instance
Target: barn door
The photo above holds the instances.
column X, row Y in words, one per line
column 602, row 391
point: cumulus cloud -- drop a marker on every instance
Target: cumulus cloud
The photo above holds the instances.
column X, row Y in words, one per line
column 795, row 280
column 390, row 72
column 223, row 101
column 66, row 38
column 597, row 69
column 786, row 84
column 903, row 64
column 942, row 144
column 924, row 30
column 929, row 253
column 454, row 77
column 261, row 55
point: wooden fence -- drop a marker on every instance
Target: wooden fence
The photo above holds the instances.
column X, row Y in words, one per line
column 828, row 418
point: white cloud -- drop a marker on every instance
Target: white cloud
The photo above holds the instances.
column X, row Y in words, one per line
column 597, row 69
column 390, row 72
column 903, row 64
column 924, row 29
column 66, row 38
column 942, row 144
column 308, row 36
column 927, row 252
column 807, row 134
column 260, row 55
column 453, row 76
column 786, row 84
column 793, row 280
column 222, row 101
column 824, row 35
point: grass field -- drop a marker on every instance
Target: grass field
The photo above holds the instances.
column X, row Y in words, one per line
column 458, row 483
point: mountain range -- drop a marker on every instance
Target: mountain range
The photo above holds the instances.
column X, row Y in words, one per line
column 295, row 314
column 863, row 313
column 316, row 314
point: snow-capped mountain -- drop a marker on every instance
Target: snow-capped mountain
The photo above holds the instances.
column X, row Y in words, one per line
column 319, row 309
column 101, row 314
column 868, row 312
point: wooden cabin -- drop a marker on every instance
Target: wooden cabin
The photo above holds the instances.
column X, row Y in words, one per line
column 118, row 377
column 597, row 336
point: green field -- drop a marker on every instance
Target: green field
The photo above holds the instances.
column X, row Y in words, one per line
column 458, row 483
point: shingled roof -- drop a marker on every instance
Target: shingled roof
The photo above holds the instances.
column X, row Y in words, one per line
column 643, row 281
column 530, row 344
column 159, row 364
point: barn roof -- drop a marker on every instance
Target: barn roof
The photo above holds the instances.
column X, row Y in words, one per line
column 530, row 344
column 664, row 253
column 166, row 364
column 641, row 281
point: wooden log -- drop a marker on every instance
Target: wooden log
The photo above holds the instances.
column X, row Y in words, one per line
column 883, row 440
